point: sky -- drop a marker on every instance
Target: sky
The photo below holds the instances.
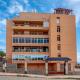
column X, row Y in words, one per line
column 11, row 8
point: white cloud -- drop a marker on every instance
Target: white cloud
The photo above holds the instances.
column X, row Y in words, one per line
column 2, row 26
column 78, row 57
column 2, row 40
column 25, row 1
column 73, row 1
column 3, row 48
column 3, row 3
column 3, row 21
column 15, row 7
column 51, row 10
column 1, row 32
column 75, row 6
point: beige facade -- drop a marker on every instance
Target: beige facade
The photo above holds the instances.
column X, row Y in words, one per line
column 52, row 35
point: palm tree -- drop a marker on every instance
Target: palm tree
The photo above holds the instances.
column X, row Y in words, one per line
column 2, row 54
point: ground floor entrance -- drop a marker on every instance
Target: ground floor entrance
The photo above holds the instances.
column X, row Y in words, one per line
column 55, row 65
column 40, row 68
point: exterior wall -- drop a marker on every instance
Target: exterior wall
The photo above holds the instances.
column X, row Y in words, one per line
column 32, row 17
column 68, row 36
column 53, row 36
column 9, row 41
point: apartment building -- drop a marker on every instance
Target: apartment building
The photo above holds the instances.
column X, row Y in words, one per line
column 42, row 42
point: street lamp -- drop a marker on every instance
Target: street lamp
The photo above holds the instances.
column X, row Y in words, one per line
column 4, row 64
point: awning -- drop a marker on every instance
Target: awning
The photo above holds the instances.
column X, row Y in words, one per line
column 58, row 59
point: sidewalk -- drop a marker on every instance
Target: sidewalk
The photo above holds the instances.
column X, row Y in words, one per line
column 42, row 76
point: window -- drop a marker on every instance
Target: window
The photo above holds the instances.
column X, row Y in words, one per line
column 28, row 40
column 69, row 66
column 15, row 40
column 33, row 40
column 46, row 40
column 45, row 49
column 59, row 55
column 21, row 40
column 58, row 38
column 58, row 28
column 33, row 49
column 45, row 24
column 59, row 47
column 61, row 67
column 58, row 20
column 39, row 41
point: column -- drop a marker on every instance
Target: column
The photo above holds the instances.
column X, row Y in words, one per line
column 66, row 67
column 58, row 67
column 46, row 67
column 25, row 66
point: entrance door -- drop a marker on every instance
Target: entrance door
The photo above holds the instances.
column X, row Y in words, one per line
column 36, row 68
column 52, row 68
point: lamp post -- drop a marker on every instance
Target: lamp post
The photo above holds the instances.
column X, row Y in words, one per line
column 4, row 64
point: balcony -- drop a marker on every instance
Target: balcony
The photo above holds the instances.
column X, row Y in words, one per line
column 29, row 61
column 28, row 27
column 30, row 44
column 31, row 36
column 45, row 53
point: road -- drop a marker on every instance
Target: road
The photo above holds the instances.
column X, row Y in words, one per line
column 28, row 78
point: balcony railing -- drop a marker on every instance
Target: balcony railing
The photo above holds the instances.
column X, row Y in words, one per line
column 31, row 36
column 29, row 61
column 30, row 27
column 28, row 33
column 30, row 44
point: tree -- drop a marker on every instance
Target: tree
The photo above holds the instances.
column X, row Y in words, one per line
column 2, row 53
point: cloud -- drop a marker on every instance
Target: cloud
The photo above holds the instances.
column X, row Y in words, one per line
column 2, row 40
column 78, row 57
column 51, row 10
column 3, row 3
column 15, row 7
column 1, row 31
column 2, row 25
column 26, row 1
column 3, row 21
column 73, row 1
column 75, row 6
column 2, row 48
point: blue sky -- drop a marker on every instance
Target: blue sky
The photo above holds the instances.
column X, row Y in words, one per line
column 11, row 8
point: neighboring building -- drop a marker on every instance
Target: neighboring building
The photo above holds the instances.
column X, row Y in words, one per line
column 34, row 37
